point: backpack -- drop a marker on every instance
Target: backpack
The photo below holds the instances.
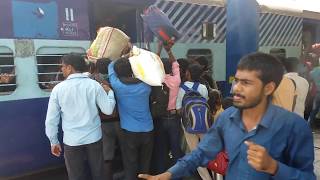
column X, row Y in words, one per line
column 159, row 100
column 196, row 115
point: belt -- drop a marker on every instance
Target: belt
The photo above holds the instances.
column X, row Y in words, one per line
column 172, row 112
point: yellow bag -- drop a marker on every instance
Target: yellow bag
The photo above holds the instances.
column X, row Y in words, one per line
column 109, row 43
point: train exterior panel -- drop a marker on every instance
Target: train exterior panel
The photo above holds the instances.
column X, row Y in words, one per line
column 44, row 19
column 25, row 148
column 35, row 32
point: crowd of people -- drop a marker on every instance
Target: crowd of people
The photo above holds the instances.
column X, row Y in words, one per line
column 263, row 130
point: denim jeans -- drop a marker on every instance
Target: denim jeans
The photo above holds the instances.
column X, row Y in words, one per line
column 168, row 134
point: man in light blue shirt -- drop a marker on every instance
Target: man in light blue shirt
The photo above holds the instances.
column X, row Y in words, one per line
column 75, row 101
column 263, row 141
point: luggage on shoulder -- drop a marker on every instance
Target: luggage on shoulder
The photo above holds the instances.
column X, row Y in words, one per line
column 196, row 115
column 147, row 66
column 109, row 43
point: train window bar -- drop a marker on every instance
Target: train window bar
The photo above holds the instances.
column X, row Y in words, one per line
column 7, row 71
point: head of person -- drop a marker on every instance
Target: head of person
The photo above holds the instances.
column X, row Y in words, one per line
column 102, row 65
column 91, row 67
column 122, row 68
column 203, row 62
column 215, row 100
column 73, row 63
column 291, row 64
column 257, row 77
column 194, row 73
column 183, row 66
column 167, row 65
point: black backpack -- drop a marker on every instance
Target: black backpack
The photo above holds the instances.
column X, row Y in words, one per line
column 159, row 100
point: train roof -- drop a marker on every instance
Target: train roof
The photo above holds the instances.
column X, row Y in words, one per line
column 291, row 8
column 220, row 3
column 275, row 9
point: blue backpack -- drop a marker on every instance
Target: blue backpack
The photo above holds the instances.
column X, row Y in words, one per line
column 196, row 116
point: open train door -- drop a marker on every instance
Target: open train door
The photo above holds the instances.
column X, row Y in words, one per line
column 122, row 14
column 311, row 29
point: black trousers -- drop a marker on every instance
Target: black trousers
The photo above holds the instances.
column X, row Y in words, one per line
column 168, row 135
column 79, row 158
column 137, row 153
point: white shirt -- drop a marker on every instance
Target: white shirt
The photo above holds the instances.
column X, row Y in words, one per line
column 302, row 88
column 202, row 89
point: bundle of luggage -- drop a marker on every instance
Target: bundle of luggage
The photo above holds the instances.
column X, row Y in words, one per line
column 112, row 43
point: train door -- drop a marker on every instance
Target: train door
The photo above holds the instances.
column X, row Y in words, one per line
column 124, row 15
column 311, row 29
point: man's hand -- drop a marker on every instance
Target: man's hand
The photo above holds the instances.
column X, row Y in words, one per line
column 56, row 150
column 106, row 87
column 163, row 176
column 259, row 158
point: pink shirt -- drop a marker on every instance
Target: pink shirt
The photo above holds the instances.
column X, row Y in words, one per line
column 173, row 82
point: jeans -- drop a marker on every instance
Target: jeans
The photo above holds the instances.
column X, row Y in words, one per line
column 168, row 134
column 137, row 152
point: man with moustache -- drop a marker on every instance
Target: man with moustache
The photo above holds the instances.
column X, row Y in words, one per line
column 263, row 141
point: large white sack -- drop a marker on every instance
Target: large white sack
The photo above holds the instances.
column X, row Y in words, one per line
column 147, row 66
column 109, row 43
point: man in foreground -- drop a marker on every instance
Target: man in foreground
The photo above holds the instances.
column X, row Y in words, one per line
column 263, row 141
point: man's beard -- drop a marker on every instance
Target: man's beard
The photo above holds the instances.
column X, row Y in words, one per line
column 257, row 100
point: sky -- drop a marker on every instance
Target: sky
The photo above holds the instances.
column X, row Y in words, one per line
column 310, row 5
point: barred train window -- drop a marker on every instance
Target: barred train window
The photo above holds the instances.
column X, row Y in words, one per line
column 7, row 71
column 49, row 65
column 278, row 52
column 194, row 53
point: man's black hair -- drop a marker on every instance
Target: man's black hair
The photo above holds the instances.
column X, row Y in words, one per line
column 195, row 72
column 102, row 65
column 123, row 68
column 269, row 68
column 183, row 64
column 76, row 61
column 291, row 64
column 167, row 65
column 203, row 61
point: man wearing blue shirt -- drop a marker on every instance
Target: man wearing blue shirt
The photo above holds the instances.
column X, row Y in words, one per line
column 135, row 117
column 263, row 141
column 75, row 101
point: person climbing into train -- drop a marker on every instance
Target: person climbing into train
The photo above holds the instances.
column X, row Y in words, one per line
column 76, row 101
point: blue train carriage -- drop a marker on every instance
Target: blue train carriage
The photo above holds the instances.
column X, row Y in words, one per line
column 31, row 45
column 311, row 29
column 202, row 25
column 280, row 31
column 287, row 31
column 34, row 35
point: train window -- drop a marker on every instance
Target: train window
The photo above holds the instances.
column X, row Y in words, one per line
column 278, row 52
column 7, row 71
column 194, row 53
column 49, row 63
